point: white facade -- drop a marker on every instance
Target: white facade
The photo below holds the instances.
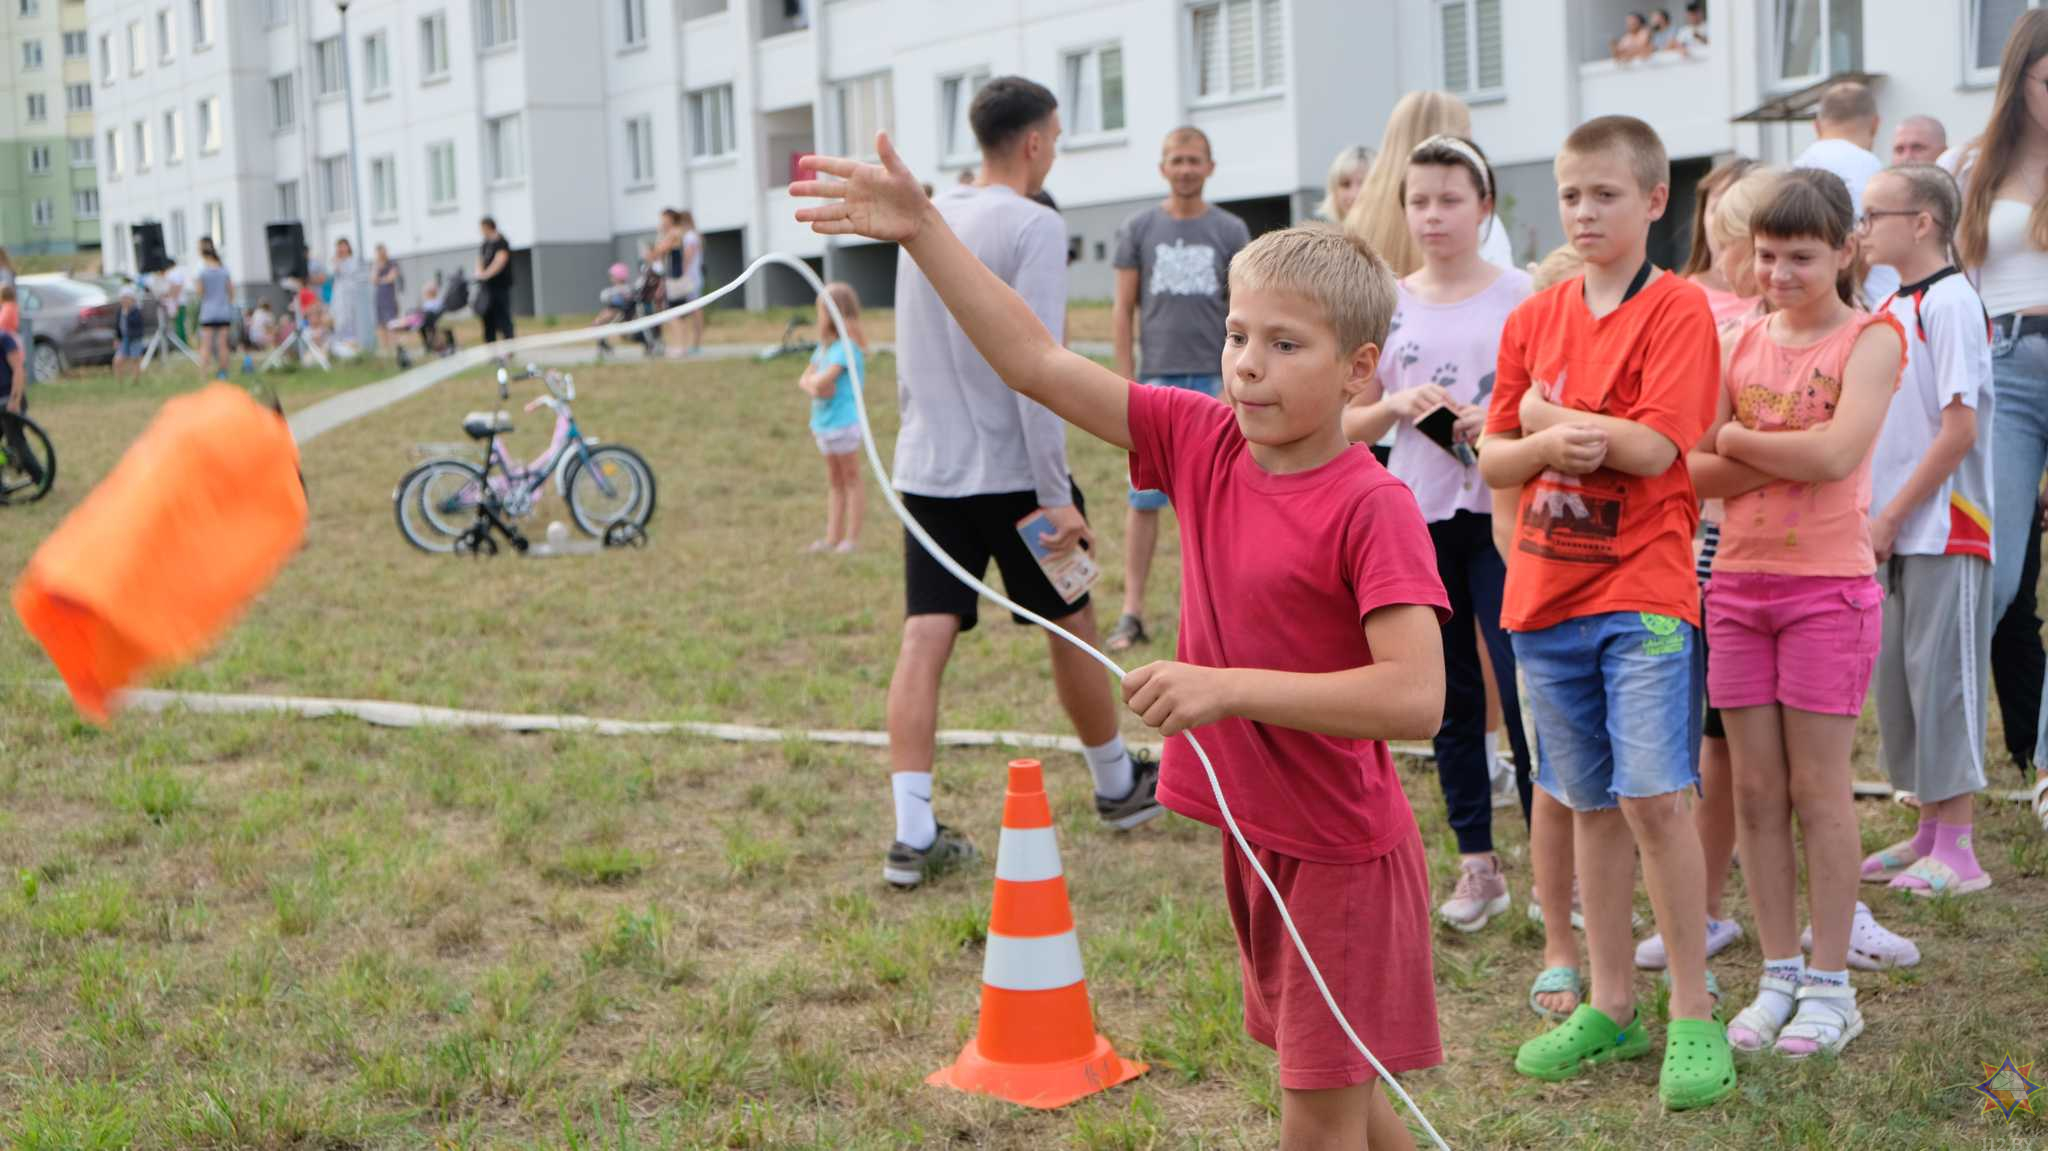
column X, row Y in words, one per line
column 574, row 122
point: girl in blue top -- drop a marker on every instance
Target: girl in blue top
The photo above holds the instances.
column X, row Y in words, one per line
column 835, row 420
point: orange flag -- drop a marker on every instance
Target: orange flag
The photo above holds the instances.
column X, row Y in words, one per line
column 160, row 559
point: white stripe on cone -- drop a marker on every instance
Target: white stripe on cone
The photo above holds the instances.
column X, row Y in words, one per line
column 1032, row 963
column 1027, row 855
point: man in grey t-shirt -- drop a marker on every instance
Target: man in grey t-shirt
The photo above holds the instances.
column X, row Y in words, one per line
column 974, row 460
column 1172, row 276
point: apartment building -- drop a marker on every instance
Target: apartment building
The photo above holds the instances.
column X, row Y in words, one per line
column 1533, row 68
column 49, row 199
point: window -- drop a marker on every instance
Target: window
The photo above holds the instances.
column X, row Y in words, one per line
column 956, row 93
column 78, row 97
column 334, row 198
column 31, row 7
column 166, row 42
column 711, row 123
column 81, row 151
column 633, row 23
column 859, row 109
column 376, row 64
column 114, row 157
column 441, row 174
column 39, row 159
column 85, row 203
column 175, row 234
column 1239, row 48
column 1469, row 46
column 383, row 187
column 1813, row 39
column 284, row 203
column 38, row 107
column 217, row 222
column 1094, row 95
column 145, row 147
column 284, row 105
column 497, row 24
column 74, row 45
column 42, row 213
column 209, row 125
column 31, row 55
column 174, row 137
column 202, row 23
column 639, row 151
column 136, row 48
column 106, row 57
column 327, row 67
column 1989, row 23
column 433, row 46
column 277, row 13
column 504, row 149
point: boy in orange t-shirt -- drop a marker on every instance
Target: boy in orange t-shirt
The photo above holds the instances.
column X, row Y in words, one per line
column 1604, row 382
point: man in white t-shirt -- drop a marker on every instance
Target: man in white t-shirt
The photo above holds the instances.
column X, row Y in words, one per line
column 1846, row 127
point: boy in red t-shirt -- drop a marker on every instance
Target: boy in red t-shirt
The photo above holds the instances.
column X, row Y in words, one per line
column 1604, row 382
column 1310, row 615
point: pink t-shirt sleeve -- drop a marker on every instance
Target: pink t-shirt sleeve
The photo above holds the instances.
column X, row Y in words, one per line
column 1389, row 555
column 1169, row 425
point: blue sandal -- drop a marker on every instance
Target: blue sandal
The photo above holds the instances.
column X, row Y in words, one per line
column 1552, row 981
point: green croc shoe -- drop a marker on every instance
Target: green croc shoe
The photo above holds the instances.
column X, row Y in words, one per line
column 1589, row 1037
column 1699, row 1069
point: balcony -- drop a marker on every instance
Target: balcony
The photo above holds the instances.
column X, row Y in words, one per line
column 1685, row 96
column 788, row 72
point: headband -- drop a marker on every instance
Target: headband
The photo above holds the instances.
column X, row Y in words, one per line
column 1465, row 151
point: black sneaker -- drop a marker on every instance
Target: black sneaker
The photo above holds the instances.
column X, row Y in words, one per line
column 1142, row 804
column 906, row 866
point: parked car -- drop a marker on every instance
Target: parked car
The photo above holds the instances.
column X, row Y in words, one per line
column 72, row 320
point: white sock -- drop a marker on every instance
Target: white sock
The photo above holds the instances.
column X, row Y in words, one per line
column 1494, row 766
column 915, row 826
column 1110, row 764
column 1778, row 1003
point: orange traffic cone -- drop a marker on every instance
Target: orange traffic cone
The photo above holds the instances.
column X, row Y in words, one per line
column 1037, row 1044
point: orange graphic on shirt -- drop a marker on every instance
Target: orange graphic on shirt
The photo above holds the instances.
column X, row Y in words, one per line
column 1766, row 409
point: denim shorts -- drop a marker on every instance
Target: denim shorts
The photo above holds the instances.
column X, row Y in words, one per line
column 1617, row 705
column 1212, row 386
column 130, row 349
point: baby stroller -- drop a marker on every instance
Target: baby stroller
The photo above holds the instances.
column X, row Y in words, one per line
column 426, row 319
column 622, row 302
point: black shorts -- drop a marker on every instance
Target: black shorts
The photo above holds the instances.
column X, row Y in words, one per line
column 1711, row 727
column 212, row 324
column 974, row 530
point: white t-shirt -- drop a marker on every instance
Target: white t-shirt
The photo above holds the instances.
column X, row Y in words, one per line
column 1948, row 358
column 1496, row 247
column 1855, row 166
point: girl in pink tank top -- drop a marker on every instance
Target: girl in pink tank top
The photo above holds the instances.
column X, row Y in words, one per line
column 1794, row 618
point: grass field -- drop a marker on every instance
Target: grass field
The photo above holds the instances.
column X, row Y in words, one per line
column 268, row 933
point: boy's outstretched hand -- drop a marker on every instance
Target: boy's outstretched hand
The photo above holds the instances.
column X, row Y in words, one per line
column 880, row 201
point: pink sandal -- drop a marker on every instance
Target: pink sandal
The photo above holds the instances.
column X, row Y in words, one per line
column 1885, row 865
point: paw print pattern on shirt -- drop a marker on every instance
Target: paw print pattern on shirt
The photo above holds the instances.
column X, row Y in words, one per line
column 1445, row 376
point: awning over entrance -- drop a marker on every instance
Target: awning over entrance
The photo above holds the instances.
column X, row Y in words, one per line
column 1799, row 105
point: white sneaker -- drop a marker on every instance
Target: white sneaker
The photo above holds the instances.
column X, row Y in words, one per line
column 1504, row 793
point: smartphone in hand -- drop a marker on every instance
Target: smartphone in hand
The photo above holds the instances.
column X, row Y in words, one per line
column 1441, row 426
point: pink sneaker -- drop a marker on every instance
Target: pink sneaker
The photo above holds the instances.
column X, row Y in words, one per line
column 1481, row 894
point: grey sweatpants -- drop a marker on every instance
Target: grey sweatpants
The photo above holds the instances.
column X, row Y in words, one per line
column 1933, row 674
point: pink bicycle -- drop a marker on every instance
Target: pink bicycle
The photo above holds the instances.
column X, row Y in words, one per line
column 453, row 506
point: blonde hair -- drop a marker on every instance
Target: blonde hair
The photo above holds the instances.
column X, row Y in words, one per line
column 1637, row 142
column 1355, row 160
column 1699, row 258
column 1729, row 222
column 1377, row 216
column 1336, row 270
column 1560, row 265
column 1990, row 158
column 842, row 294
column 1933, row 191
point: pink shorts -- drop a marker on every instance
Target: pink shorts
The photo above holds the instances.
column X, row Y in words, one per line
column 1368, row 926
column 1807, row 642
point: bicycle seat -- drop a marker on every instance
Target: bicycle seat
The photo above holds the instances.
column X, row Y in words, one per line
column 484, row 425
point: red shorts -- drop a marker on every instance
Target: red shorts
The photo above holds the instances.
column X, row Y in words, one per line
column 1368, row 926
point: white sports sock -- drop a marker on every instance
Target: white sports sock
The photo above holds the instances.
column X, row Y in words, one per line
column 1110, row 764
column 1778, row 1003
column 1494, row 764
column 915, row 825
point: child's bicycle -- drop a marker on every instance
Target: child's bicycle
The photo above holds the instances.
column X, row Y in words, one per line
column 450, row 505
column 25, row 480
column 793, row 342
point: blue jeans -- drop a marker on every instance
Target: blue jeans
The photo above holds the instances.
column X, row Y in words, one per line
column 1211, row 386
column 2019, row 451
column 1617, row 705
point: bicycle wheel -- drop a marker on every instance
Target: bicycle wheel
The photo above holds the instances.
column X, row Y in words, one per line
column 26, row 480
column 616, row 486
column 436, row 502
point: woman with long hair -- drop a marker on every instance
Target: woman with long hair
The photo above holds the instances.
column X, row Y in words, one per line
column 1379, row 216
column 216, row 309
column 2003, row 241
column 1340, row 188
column 1700, row 265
